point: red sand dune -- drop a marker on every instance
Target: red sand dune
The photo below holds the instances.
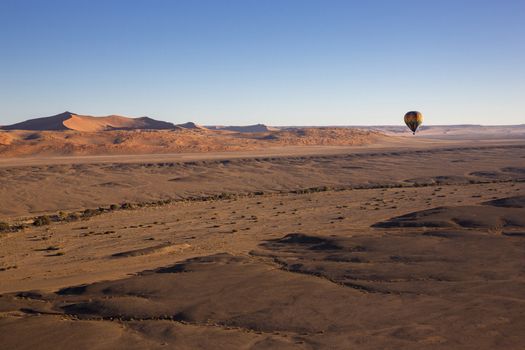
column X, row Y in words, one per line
column 74, row 134
column 72, row 121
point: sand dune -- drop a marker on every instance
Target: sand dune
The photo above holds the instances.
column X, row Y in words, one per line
column 5, row 138
column 245, row 128
column 85, row 123
column 187, row 138
column 190, row 125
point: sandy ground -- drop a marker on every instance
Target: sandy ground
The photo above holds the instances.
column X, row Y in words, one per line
column 35, row 186
column 404, row 247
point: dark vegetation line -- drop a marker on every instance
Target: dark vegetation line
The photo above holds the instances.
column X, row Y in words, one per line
column 61, row 216
column 271, row 158
column 312, row 156
column 177, row 318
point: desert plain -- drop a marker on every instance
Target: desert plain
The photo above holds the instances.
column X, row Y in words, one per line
column 305, row 238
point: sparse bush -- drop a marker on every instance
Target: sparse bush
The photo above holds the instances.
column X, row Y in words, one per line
column 42, row 220
column 126, row 206
column 73, row 217
column 4, row 226
column 89, row 212
column 113, row 207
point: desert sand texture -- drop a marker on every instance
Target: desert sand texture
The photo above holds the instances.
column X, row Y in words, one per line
column 460, row 132
column 70, row 134
column 72, row 184
column 122, row 142
column 412, row 244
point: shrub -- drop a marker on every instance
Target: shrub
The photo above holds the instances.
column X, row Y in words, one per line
column 73, row 217
column 4, row 226
column 113, row 207
column 89, row 212
column 42, row 220
column 126, row 206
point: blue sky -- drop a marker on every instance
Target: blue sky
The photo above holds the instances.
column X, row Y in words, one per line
column 282, row 62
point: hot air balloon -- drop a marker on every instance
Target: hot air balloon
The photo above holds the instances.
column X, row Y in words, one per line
column 413, row 120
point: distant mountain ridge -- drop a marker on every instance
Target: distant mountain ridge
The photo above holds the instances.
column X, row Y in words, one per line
column 77, row 122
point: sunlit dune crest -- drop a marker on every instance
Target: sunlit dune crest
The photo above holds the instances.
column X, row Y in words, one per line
column 73, row 134
column 77, row 122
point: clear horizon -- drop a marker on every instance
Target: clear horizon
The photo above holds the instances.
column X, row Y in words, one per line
column 284, row 62
column 283, row 125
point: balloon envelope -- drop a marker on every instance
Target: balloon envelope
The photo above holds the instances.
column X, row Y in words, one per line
column 413, row 120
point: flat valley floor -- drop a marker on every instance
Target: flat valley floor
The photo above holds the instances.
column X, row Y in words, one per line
column 412, row 248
